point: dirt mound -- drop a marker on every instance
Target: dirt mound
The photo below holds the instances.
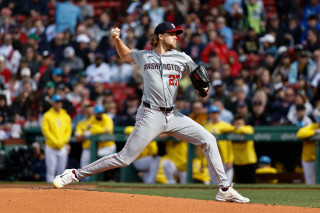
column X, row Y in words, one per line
column 47, row 199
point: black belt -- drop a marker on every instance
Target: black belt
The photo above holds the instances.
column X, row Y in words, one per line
column 163, row 109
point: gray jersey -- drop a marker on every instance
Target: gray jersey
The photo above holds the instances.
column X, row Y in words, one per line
column 161, row 74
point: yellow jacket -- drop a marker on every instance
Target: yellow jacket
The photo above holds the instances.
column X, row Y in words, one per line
column 200, row 119
column 81, row 128
column 200, row 169
column 244, row 152
column 99, row 127
column 225, row 146
column 309, row 147
column 56, row 128
column 177, row 152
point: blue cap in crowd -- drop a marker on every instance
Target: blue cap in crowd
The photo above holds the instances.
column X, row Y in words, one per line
column 57, row 71
column 98, row 109
column 318, row 118
column 265, row 159
column 56, row 98
column 214, row 108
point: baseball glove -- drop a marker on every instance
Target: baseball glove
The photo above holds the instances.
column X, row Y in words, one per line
column 200, row 80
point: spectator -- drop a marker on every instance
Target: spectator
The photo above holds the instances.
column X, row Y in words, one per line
column 173, row 14
column 219, row 93
column 195, row 47
column 299, row 100
column 156, row 12
column 198, row 114
column 48, row 92
column 254, row 15
column 293, row 29
column 82, row 134
column 66, row 104
column 128, row 116
column 36, row 7
column 5, row 111
column 92, row 28
column 67, row 15
column 280, row 105
column 235, row 66
column 174, row 163
column 46, row 68
column 215, row 46
column 6, row 21
column 234, row 16
column 215, row 126
column 85, row 9
column 249, row 44
column 75, row 95
column 312, row 8
column 274, row 26
column 98, row 70
column 245, row 157
column 301, row 119
column 301, row 66
column 225, row 31
column 5, row 73
column 260, row 115
column 309, row 151
column 283, row 67
column 225, row 114
column 242, row 110
column 101, row 123
column 74, row 63
column 31, row 121
column 12, row 56
column 32, row 61
column 268, row 44
column 57, row 47
column 37, row 166
column 265, row 168
column 313, row 42
column 56, row 128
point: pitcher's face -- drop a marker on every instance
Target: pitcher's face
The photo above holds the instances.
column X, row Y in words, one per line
column 170, row 41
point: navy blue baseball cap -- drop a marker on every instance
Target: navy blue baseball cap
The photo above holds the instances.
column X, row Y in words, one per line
column 167, row 27
column 98, row 109
column 56, row 98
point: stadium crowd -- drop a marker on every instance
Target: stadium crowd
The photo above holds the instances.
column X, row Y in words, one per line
column 264, row 66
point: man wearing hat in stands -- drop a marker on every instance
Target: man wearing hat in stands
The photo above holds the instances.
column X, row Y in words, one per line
column 219, row 93
column 99, row 69
column 301, row 66
column 71, row 63
column 56, row 128
column 26, row 76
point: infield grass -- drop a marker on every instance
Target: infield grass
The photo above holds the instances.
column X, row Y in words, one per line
column 278, row 194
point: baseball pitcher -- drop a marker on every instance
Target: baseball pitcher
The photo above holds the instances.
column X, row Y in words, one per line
column 162, row 69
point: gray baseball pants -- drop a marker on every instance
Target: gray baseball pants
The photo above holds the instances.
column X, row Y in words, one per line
column 149, row 124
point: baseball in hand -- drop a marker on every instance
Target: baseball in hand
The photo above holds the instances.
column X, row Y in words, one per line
column 115, row 32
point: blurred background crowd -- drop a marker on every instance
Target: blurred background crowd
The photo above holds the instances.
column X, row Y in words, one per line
column 263, row 57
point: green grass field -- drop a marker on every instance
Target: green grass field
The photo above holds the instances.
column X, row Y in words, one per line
column 279, row 194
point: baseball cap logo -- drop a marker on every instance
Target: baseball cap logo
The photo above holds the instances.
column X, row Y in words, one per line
column 173, row 26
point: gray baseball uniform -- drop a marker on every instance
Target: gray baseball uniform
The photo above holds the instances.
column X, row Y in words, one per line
column 161, row 74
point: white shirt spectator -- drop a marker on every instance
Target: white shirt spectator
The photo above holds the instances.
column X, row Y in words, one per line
column 12, row 56
column 101, row 72
column 292, row 113
column 126, row 71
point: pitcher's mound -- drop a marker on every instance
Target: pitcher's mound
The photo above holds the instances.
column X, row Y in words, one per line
column 81, row 201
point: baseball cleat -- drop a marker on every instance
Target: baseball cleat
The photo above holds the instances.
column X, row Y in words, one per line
column 231, row 195
column 65, row 178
